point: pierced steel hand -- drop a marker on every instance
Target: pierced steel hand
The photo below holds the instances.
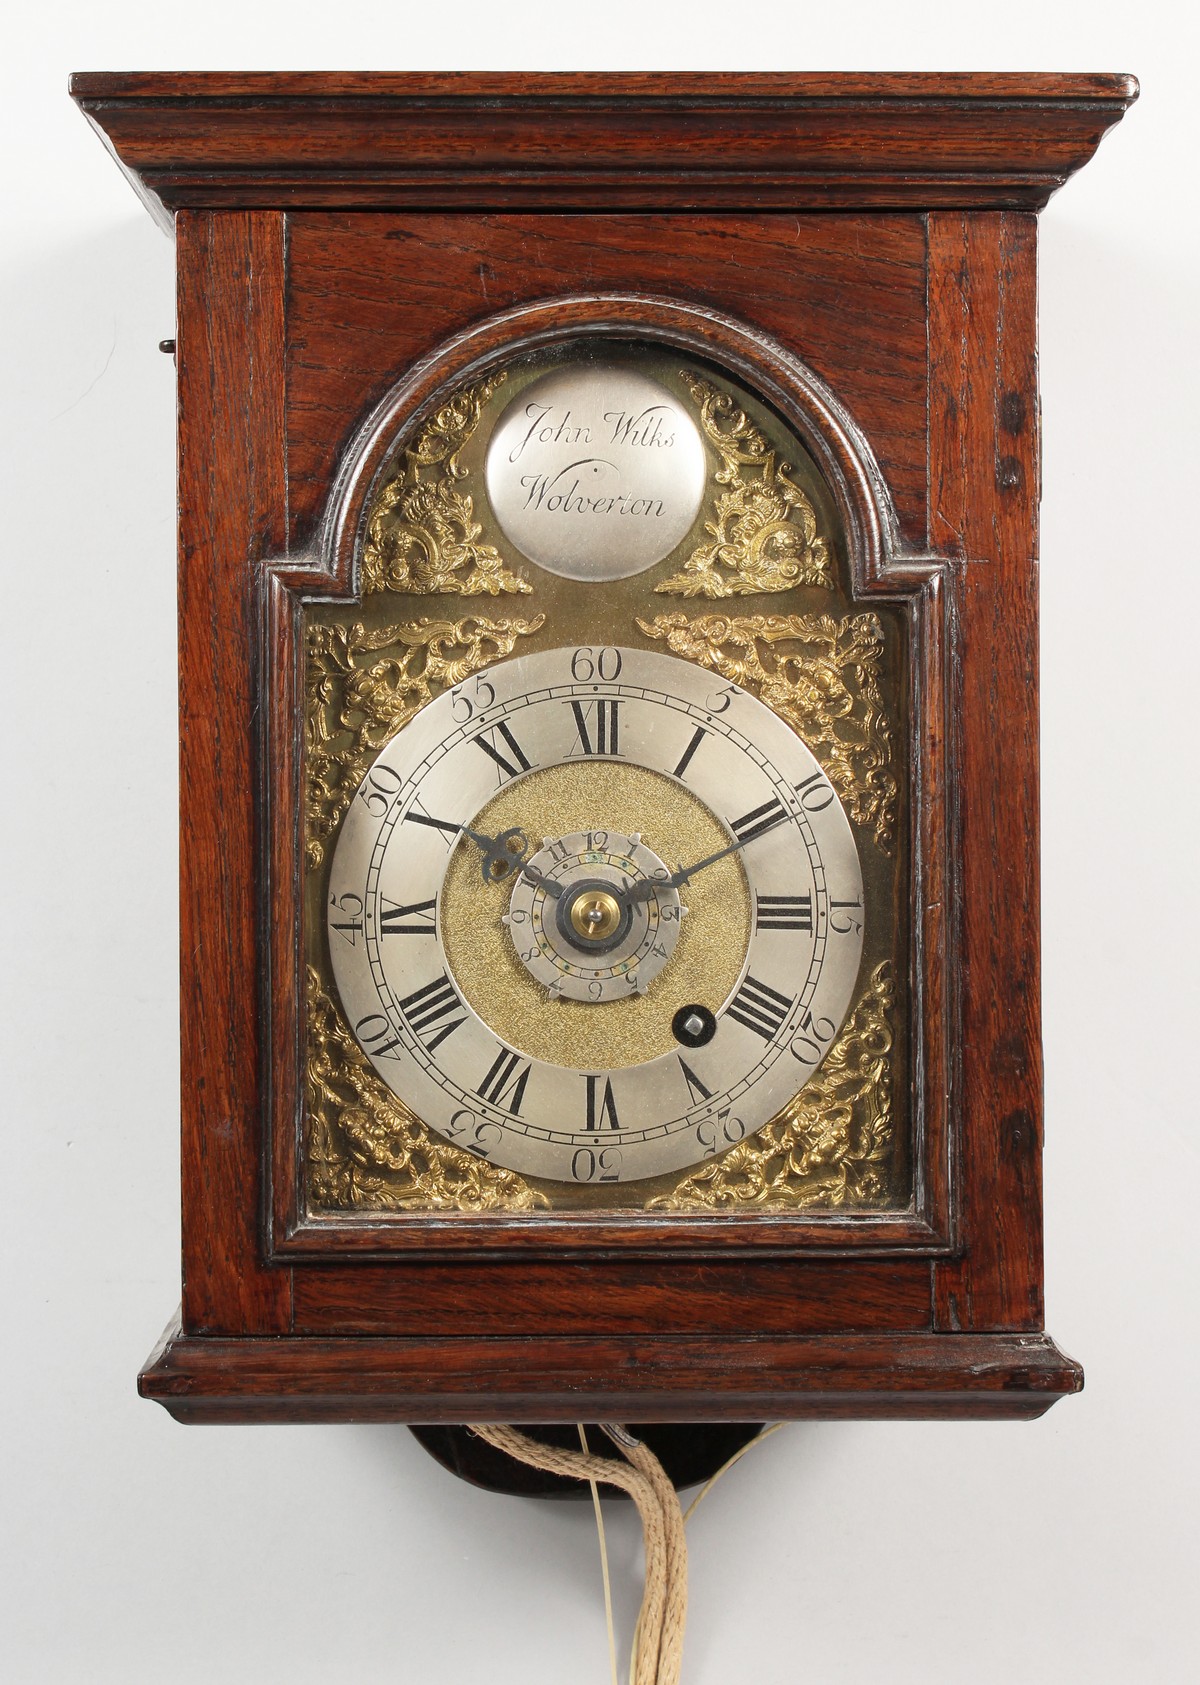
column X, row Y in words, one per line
column 536, row 877
column 505, row 854
column 644, row 888
column 502, row 854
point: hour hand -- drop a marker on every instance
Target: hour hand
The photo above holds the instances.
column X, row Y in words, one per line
column 503, row 854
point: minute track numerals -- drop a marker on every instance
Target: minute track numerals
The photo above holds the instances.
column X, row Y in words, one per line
column 421, row 800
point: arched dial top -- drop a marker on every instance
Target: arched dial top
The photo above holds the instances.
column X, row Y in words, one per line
column 684, row 1056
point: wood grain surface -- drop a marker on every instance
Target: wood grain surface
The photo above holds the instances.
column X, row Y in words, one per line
column 554, row 1296
column 984, row 490
column 369, row 295
column 600, row 141
column 679, row 1379
column 936, row 87
column 337, row 235
column 232, row 511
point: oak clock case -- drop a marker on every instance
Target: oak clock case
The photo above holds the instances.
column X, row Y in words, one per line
column 606, row 898
column 600, row 1160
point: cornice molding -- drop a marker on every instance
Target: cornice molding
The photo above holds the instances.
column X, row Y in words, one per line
column 575, row 142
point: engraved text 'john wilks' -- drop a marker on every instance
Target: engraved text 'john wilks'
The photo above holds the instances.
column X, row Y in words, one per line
column 602, row 442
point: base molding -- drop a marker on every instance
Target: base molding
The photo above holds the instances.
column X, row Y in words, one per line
column 570, row 1378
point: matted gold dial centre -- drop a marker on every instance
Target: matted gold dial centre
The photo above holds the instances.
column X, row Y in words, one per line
column 710, row 943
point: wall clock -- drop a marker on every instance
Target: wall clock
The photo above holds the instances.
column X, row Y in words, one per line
column 608, row 740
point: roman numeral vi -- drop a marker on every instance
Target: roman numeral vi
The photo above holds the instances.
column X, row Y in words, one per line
column 601, row 1107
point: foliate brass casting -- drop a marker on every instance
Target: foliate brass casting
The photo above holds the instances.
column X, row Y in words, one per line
column 368, row 1152
column 831, row 1146
column 821, row 675
column 422, row 536
column 762, row 528
column 361, row 686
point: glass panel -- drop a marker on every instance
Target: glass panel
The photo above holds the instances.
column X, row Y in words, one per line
column 607, row 881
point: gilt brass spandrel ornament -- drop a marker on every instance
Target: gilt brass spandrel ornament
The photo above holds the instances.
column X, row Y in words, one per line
column 422, row 534
column 373, row 667
column 368, row 1152
column 822, row 675
column 831, row 1147
column 363, row 684
column 762, row 529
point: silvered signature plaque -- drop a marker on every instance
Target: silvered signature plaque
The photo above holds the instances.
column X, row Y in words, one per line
column 595, row 472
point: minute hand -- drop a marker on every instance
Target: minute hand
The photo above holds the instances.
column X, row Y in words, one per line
column 644, row 888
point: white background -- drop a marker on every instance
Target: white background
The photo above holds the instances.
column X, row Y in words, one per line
column 839, row 1554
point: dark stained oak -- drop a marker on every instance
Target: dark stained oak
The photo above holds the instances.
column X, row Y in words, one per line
column 610, row 1296
column 861, row 250
column 559, row 142
column 232, row 511
column 368, row 294
column 682, row 1378
column 847, row 87
column 984, row 454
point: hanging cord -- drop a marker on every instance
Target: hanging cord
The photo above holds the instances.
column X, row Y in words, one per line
column 664, row 1603
column 725, row 1467
column 670, row 1644
column 615, row 1434
column 608, row 1614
